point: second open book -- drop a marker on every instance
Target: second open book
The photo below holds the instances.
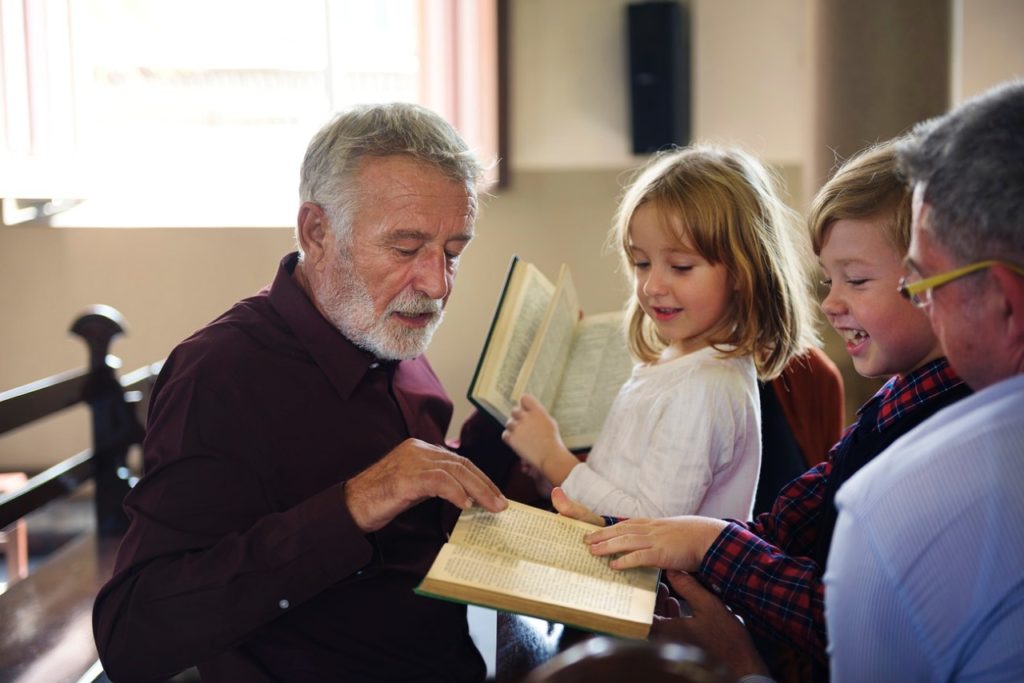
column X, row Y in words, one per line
column 534, row 562
column 539, row 344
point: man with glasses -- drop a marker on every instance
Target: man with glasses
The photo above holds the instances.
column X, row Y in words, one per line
column 919, row 292
column 925, row 579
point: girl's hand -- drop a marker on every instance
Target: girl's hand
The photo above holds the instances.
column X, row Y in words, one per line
column 675, row 543
column 533, row 434
column 567, row 507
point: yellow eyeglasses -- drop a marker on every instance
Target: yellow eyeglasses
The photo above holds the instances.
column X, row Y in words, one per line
column 920, row 293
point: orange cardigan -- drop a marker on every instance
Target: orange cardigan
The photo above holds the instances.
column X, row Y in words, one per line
column 810, row 390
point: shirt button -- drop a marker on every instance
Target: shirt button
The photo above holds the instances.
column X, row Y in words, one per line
column 283, row 604
column 716, row 588
column 359, row 573
column 374, row 365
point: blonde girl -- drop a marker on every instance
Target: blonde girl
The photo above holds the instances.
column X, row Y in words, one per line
column 721, row 298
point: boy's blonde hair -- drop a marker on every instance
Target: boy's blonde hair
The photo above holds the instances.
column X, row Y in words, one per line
column 868, row 186
column 724, row 203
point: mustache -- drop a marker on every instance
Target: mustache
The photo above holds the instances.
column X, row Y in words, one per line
column 415, row 304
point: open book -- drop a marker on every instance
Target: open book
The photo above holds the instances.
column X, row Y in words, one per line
column 534, row 562
column 539, row 344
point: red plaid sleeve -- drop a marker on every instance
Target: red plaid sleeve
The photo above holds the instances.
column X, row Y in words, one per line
column 763, row 571
column 792, row 523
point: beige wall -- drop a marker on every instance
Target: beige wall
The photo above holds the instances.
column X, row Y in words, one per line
column 988, row 44
column 569, row 153
column 570, row 106
column 166, row 282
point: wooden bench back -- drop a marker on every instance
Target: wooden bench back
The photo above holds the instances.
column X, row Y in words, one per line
column 116, row 409
column 46, row 626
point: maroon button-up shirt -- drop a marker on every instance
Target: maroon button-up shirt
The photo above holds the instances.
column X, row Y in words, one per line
column 241, row 556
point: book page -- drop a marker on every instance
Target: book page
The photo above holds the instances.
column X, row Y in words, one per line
column 598, row 366
column 535, row 562
column 542, row 537
column 550, row 350
column 528, row 316
column 519, row 317
column 524, row 579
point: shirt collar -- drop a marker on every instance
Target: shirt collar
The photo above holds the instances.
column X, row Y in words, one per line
column 344, row 363
column 902, row 395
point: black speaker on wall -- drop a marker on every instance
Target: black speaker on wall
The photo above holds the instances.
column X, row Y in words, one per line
column 659, row 75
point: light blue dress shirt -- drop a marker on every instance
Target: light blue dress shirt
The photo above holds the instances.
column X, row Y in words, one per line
column 925, row 578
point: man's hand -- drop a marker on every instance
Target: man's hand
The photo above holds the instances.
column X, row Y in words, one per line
column 672, row 543
column 567, row 507
column 414, row 471
column 708, row 625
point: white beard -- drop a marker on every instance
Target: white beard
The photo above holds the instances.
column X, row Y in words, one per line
column 346, row 301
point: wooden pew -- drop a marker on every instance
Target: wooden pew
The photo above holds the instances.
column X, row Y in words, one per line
column 45, row 619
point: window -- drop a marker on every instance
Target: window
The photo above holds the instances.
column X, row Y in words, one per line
column 197, row 112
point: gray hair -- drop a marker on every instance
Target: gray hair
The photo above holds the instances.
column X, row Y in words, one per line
column 378, row 130
column 971, row 161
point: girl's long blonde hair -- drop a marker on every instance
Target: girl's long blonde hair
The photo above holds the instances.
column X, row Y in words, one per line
column 725, row 204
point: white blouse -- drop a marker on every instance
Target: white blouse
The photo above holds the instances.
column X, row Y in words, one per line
column 682, row 437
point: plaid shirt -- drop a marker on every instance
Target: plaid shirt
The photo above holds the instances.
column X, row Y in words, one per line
column 763, row 569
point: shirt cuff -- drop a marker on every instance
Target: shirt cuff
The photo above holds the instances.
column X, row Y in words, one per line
column 328, row 530
column 725, row 561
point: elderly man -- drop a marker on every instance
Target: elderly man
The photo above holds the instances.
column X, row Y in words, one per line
column 925, row 580
column 296, row 483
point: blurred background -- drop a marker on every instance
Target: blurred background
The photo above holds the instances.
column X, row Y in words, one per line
column 150, row 150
